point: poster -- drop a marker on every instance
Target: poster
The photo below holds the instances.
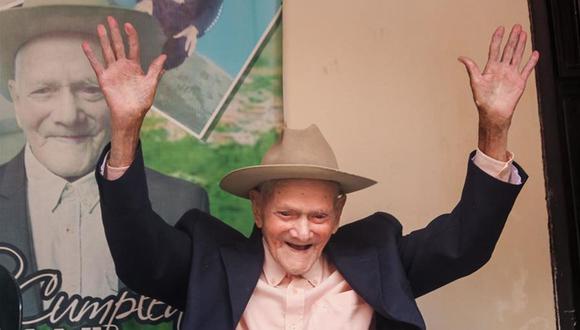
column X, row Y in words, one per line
column 218, row 108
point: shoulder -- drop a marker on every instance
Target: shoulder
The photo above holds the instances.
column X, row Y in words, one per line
column 161, row 181
column 374, row 229
column 172, row 197
column 15, row 164
column 3, row 169
column 13, row 175
column 200, row 224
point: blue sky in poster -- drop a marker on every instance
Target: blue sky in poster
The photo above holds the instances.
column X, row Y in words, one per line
column 232, row 39
column 235, row 34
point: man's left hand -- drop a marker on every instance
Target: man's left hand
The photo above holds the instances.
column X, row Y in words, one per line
column 497, row 90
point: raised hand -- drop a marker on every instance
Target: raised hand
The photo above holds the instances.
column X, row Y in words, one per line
column 497, row 90
column 128, row 90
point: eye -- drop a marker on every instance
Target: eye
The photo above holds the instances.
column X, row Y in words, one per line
column 319, row 217
column 91, row 93
column 285, row 214
column 44, row 91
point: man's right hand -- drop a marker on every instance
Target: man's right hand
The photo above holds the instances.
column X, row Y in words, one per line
column 128, row 90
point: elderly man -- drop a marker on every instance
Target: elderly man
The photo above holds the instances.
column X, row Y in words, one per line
column 49, row 203
column 299, row 270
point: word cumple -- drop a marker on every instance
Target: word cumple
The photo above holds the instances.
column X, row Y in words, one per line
column 89, row 312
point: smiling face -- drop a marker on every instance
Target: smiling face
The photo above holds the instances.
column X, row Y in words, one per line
column 297, row 218
column 59, row 105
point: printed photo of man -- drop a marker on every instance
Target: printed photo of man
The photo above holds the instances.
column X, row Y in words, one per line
column 49, row 201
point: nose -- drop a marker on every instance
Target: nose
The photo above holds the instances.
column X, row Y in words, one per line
column 67, row 110
column 301, row 229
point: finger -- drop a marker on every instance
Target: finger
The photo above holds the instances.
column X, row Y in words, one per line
column 508, row 51
column 187, row 46
column 180, row 34
column 155, row 70
column 529, row 67
column 472, row 69
column 495, row 44
column 520, row 47
column 191, row 48
column 133, row 40
column 95, row 64
column 118, row 45
column 105, row 45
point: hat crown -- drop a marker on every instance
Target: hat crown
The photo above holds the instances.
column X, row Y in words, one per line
column 79, row 16
column 302, row 147
column 299, row 154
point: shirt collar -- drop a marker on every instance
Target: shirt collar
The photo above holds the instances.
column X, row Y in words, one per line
column 275, row 274
column 53, row 187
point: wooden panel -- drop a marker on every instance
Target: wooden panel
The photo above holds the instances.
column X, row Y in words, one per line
column 566, row 25
column 555, row 33
column 571, row 116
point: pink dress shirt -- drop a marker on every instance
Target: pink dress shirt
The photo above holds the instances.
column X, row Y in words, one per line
column 321, row 298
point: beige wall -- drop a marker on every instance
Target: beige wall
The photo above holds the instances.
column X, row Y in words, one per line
column 382, row 81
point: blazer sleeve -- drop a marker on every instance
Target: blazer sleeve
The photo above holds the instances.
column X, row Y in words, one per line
column 151, row 257
column 457, row 244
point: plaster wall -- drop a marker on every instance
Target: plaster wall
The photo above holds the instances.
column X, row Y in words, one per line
column 381, row 80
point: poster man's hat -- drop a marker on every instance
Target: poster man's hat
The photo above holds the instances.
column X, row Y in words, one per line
column 38, row 17
column 299, row 154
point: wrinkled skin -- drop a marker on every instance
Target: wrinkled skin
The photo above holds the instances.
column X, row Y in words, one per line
column 297, row 218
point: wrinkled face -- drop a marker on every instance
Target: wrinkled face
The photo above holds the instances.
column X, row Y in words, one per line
column 59, row 105
column 297, row 218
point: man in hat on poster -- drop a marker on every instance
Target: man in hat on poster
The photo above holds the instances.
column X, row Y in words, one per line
column 299, row 270
column 49, row 204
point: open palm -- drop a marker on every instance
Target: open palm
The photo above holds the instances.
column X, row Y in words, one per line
column 128, row 90
column 498, row 88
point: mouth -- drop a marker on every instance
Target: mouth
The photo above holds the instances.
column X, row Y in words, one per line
column 72, row 138
column 299, row 247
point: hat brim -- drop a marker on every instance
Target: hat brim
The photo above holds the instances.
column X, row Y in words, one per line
column 18, row 25
column 239, row 182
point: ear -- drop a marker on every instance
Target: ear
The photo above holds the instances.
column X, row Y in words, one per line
column 256, row 200
column 12, row 89
column 338, row 206
column 15, row 96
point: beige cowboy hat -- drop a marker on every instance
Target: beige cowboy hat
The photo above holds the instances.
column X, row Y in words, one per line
column 299, row 154
column 38, row 17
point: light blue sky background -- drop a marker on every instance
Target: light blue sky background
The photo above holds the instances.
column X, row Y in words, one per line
column 236, row 33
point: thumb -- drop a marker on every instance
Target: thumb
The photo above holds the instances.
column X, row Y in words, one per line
column 155, row 70
column 472, row 69
column 180, row 34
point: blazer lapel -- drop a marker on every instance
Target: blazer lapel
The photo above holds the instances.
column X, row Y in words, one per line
column 360, row 269
column 243, row 263
column 359, row 265
column 16, row 230
column 14, row 210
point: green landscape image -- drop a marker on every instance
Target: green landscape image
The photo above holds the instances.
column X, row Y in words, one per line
column 248, row 126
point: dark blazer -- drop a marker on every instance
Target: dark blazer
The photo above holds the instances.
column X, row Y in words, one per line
column 209, row 270
column 169, row 196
